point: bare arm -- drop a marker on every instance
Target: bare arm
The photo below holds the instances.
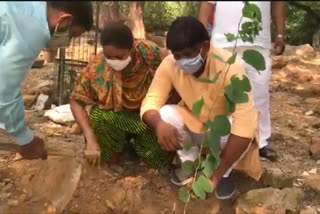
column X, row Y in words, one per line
column 206, row 10
column 279, row 15
column 235, row 147
column 80, row 114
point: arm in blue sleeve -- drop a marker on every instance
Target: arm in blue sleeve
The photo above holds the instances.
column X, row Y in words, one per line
column 12, row 117
column 20, row 44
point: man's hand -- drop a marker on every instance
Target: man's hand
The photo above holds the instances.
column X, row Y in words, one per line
column 168, row 136
column 279, row 46
column 34, row 150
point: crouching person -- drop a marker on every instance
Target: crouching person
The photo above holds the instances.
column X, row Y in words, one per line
column 174, row 125
column 115, row 83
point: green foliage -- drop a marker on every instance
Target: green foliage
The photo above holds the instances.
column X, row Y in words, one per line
column 184, row 194
column 230, row 37
column 158, row 15
column 221, row 125
column 205, row 80
column 232, row 59
column 197, row 107
column 210, row 164
column 251, row 11
column 237, row 90
column 198, row 191
column 187, row 146
column 249, row 30
column 218, row 57
column 255, row 59
column 301, row 24
column 202, row 186
column 188, row 166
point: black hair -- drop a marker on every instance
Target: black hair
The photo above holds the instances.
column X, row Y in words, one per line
column 186, row 32
column 117, row 35
column 81, row 11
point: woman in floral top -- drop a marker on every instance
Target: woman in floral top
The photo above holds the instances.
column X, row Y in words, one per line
column 115, row 83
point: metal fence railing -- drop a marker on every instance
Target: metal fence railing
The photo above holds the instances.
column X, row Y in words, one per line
column 71, row 61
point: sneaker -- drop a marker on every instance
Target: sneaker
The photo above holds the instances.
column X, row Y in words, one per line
column 267, row 154
column 225, row 189
column 180, row 177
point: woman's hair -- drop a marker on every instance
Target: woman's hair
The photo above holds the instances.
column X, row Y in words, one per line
column 117, row 35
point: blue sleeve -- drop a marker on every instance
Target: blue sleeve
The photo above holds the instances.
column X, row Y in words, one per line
column 22, row 36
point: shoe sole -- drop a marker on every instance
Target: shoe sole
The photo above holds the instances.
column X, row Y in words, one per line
column 225, row 197
column 181, row 183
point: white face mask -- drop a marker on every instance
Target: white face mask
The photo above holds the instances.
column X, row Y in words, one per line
column 193, row 65
column 117, row 64
column 60, row 39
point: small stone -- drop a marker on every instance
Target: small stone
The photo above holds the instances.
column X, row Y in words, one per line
column 75, row 129
column 269, row 200
column 315, row 140
column 24, row 191
column 22, row 197
column 110, row 205
column 274, row 177
column 309, row 113
column 34, row 200
column 17, row 157
column 8, row 187
column 313, row 171
column 296, row 138
column 316, row 125
column 313, row 182
column 309, row 210
column 13, row 202
column 3, row 196
column 312, row 100
column 38, row 63
column 51, row 210
column 7, row 180
column 80, row 184
column 29, row 99
column 305, row 174
column 117, row 168
column 45, row 204
column 318, row 162
column 42, row 102
column 315, row 151
column 318, row 210
column 2, row 184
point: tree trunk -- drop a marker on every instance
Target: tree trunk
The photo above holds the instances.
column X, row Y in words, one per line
column 136, row 19
column 109, row 12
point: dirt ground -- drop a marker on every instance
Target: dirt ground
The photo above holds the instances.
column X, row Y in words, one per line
column 129, row 187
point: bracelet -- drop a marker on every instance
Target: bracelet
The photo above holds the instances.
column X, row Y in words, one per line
column 280, row 36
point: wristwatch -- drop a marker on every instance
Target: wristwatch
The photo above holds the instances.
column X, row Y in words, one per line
column 281, row 36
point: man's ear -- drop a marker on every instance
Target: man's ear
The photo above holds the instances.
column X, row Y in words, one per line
column 65, row 19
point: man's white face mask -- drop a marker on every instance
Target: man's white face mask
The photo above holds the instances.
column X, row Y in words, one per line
column 191, row 66
column 60, row 39
column 117, row 64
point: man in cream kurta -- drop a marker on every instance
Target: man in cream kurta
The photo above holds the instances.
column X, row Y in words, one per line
column 174, row 125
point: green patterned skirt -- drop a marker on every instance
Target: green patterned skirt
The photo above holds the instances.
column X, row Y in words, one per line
column 113, row 129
